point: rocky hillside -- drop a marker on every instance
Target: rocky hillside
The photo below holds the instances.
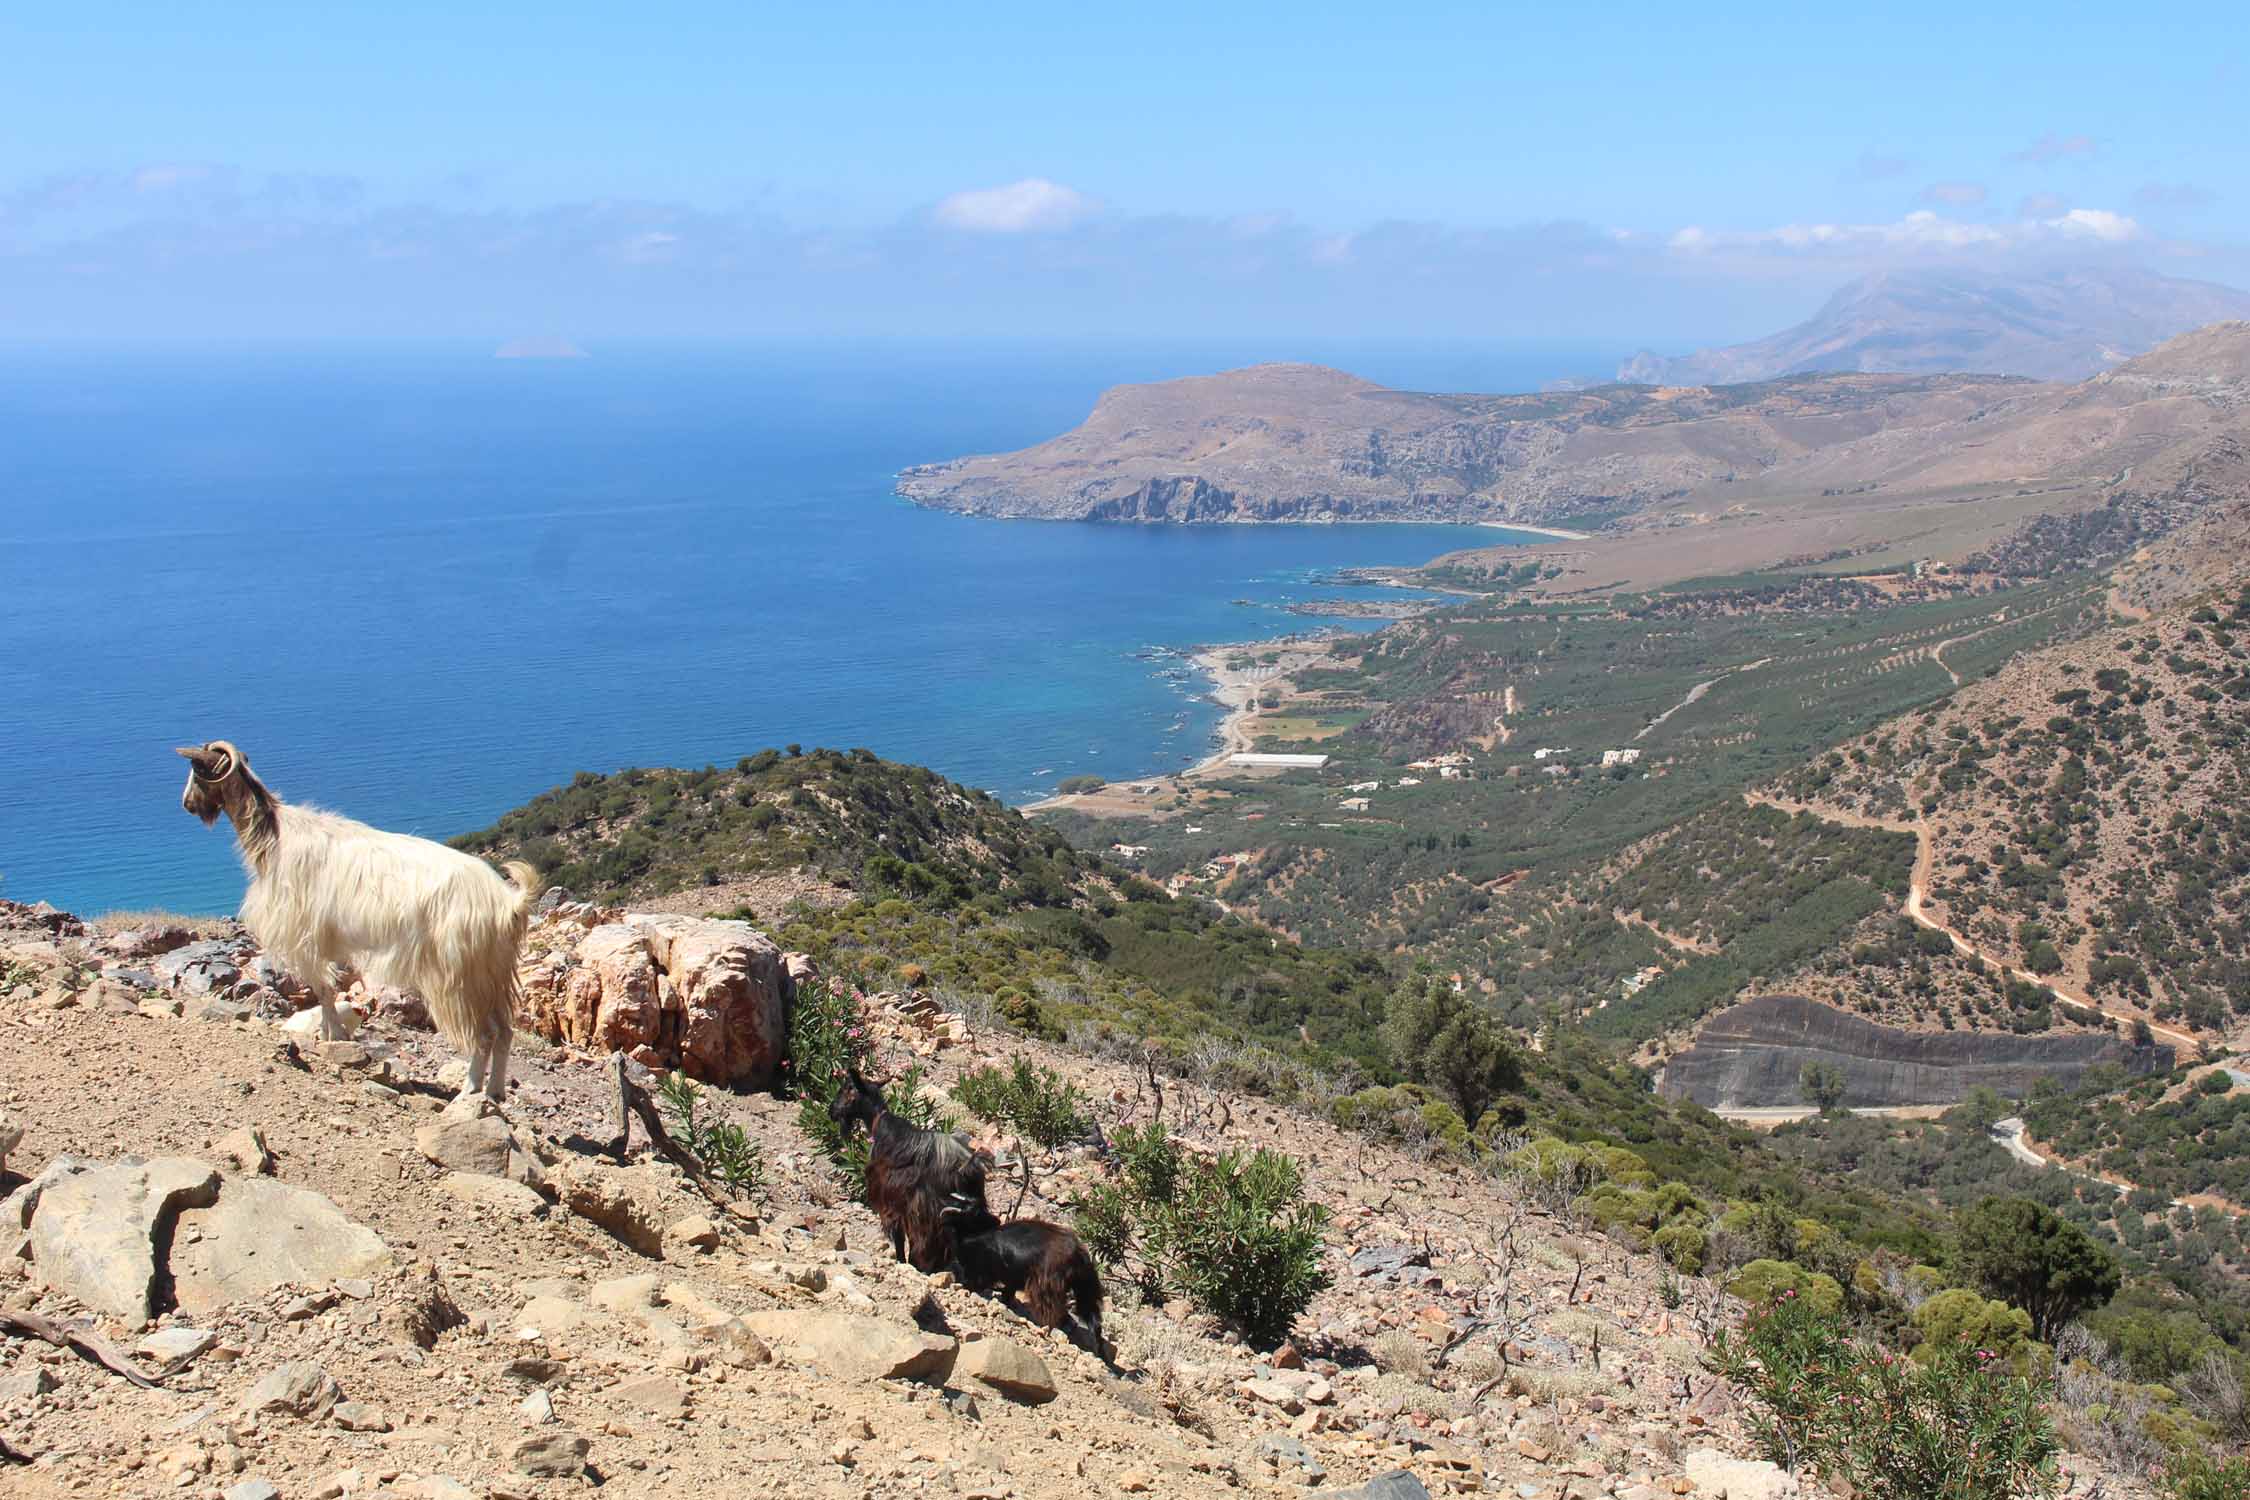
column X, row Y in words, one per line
column 324, row 1282
column 1297, row 442
column 2082, row 813
column 780, row 827
column 2064, row 325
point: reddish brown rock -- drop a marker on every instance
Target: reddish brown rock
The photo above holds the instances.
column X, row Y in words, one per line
column 705, row 996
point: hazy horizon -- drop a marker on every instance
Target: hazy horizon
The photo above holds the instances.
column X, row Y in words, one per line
column 1463, row 173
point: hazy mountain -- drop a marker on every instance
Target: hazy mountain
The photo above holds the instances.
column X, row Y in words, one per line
column 2065, row 325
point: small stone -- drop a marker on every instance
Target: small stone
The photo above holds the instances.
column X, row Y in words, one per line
column 245, row 1151
column 693, row 1232
column 252, row 1489
column 538, row 1408
column 550, row 1455
column 168, row 1344
column 358, row 1416
column 1136, row 1482
column 1274, row 1393
column 1009, row 1368
column 298, row 1388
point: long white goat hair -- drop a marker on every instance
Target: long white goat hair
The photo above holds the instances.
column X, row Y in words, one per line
column 402, row 910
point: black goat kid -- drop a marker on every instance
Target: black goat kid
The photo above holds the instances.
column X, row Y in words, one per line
column 912, row 1174
column 1044, row 1262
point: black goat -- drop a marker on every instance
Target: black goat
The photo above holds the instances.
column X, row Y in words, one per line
column 912, row 1174
column 1046, row 1263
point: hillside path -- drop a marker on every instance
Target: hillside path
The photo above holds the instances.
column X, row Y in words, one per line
column 1917, row 893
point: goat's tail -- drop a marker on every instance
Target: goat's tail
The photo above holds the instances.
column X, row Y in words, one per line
column 527, row 883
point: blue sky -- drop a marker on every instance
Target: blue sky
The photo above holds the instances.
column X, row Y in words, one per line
column 1661, row 172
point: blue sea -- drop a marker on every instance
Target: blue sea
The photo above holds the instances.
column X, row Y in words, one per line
column 418, row 584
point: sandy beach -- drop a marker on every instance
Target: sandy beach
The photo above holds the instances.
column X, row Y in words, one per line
column 1236, row 690
column 1557, row 532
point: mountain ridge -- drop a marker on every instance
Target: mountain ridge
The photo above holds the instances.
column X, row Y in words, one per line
column 2064, row 325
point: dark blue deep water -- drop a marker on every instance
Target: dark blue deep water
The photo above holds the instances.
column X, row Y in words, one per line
column 418, row 584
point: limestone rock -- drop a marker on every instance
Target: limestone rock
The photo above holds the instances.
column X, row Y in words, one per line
column 262, row 1234
column 705, row 996
column 251, row 1489
column 168, row 1344
column 1396, row 1485
column 245, row 1150
column 1717, row 1476
column 854, row 1345
column 731, row 991
column 422, row 1312
column 1009, row 1368
column 470, row 1135
column 550, row 1455
column 496, row 1193
column 622, row 1200
column 358, row 1416
column 93, row 1234
column 11, row 1136
column 694, row 1232
column 299, row 1388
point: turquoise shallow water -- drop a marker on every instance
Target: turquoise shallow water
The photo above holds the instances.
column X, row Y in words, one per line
column 419, row 585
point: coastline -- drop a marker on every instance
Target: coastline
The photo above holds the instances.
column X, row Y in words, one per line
column 1235, row 690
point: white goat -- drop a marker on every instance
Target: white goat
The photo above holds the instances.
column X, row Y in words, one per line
column 402, row 910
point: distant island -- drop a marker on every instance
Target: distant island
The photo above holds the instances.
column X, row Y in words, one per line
column 539, row 349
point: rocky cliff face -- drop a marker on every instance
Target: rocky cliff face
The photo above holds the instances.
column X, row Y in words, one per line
column 1303, row 443
column 1751, row 1055
column 708, row 997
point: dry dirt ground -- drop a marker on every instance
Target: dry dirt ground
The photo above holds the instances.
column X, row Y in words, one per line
column 568, row 1332
column 1607, row 1395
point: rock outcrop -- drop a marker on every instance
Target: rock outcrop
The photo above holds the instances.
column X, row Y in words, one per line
column 705, row 996
column 1752, row 1055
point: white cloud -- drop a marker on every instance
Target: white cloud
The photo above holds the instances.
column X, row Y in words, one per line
column 1923, row 231
column 1020, row 207
column 2094, row 224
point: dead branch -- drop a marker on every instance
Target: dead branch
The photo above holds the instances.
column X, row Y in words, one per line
column 630, row 1101
column 91, row 1346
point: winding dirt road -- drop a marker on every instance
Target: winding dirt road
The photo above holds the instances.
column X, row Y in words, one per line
column 1917, row 893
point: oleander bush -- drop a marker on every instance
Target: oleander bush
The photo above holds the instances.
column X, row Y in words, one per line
column 1959, row 1425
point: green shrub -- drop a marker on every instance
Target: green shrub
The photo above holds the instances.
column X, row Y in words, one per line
column 1683, row 1247
column 1769, row 1281
column 1233, row 1233
column 2194, row 1475
column 1074, row 785
column 1450, row 1043
column 1960, row 1316
column 725, row 1151
column 1026, row 1100
column 1960, row 1426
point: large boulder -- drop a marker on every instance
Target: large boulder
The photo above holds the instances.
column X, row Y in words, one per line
column 261, row 1234
column 731, row 992
column 94, row 1233
column 707, row 997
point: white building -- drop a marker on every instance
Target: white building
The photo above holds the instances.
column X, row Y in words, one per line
column 1619, row 757
column 1364, row 786
column 1353, row 804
